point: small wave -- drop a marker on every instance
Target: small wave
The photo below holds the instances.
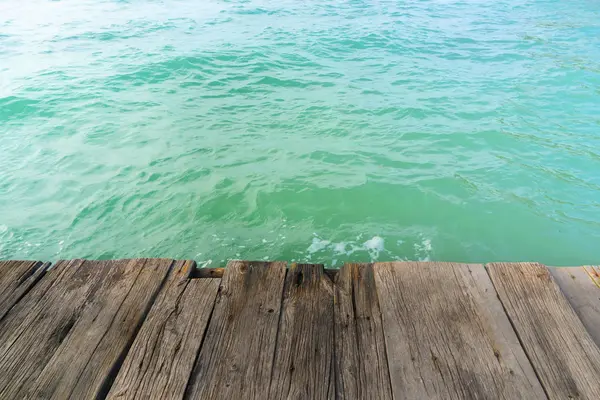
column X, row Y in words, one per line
column 291, row 83
column 17, row 107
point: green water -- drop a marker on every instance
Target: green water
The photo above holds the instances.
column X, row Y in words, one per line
column 320, row 131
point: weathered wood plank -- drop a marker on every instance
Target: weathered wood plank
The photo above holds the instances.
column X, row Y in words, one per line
column 304, row 357
column 33, row 329
column 67, row 336
column 581, row 287
column 236, row 358
column 561, row 350
column 16, row 278
column 361, row 360
column 160, row 361
column 446, row 337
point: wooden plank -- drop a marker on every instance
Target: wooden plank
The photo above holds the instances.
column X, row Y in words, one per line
column 361, row 360
column 446, row 336
column 16, row 278
column 304, row 361
column 581, row 287
column 162, row 356
column 563, row 353
column 66, row 338
column 236, row 358
column 33, row 329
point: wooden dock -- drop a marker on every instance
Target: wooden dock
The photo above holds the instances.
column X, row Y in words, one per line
column 161, row 329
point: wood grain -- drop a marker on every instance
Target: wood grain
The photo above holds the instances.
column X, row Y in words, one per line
column 16, row 278
column 70, row 335
column 361, row 360
column 581, row 287
column 304, row 363
column 160, row 361
column 236, row 358
column 561, row 350
column 446, row 337
column 35, row 327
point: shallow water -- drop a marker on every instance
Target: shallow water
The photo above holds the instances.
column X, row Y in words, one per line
column 318, row 131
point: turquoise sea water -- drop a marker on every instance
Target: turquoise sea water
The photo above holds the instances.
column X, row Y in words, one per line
column 319, row 131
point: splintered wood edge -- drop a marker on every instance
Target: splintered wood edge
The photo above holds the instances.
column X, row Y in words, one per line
column 199, row 273
column 207, row 273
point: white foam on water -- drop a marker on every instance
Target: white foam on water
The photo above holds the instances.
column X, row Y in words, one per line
column 423, row 249
column 375, row 246
column 318, row 245
column 339, row 248
column 427, row 245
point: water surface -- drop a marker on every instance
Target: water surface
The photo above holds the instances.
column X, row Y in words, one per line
column 319, row 131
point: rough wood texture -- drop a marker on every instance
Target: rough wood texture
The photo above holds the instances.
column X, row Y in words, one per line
column 16, row 278
column 564, row 355
column 236, row 358
column 66, row 338
column 442, row 339
column 256, row 330
column 162, row 356
column 581, row 286
column 304, row 363
column 33, row 329
column 361, row 361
